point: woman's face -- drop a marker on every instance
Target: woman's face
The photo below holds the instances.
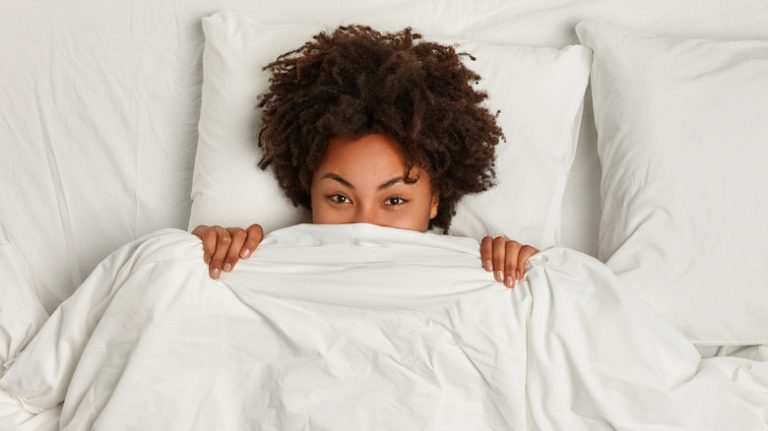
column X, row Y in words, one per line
column 360, row 180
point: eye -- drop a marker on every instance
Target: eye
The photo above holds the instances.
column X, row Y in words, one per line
column 339, row 199
column 395, row 200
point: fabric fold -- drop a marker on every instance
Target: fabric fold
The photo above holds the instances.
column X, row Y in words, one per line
column 367, row 327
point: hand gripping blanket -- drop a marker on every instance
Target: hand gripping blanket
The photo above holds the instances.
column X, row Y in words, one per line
column 361, row 327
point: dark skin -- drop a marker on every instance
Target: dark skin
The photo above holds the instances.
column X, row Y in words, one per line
column 357, row 183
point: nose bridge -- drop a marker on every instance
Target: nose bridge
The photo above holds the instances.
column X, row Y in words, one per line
column 366, row 213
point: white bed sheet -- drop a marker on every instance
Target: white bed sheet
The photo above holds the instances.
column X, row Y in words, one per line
column 99, row 104
column 365, row 327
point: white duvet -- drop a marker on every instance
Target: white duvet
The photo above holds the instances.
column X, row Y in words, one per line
column 361, row 327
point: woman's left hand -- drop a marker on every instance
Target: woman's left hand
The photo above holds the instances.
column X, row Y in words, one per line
column 506, row 258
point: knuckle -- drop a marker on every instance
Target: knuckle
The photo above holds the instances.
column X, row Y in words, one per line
column 256, row 228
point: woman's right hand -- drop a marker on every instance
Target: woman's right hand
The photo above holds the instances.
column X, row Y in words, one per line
column 223, row 247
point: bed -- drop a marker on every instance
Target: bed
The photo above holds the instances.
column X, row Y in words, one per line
column 642, row 126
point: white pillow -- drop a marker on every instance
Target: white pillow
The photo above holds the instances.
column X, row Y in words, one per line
column 682, row 130
column 538, row 90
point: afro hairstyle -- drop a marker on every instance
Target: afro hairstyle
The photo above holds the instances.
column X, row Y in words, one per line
column 354, row 81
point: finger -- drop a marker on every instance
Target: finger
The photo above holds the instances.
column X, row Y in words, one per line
column 498, row 257
column 486, row 253
column 255, row 235
column 525, row 253
column 200, row 232
column 233, row 254
column 201, row 228
column 209, row 243
column 222, row 247
column 510, row 262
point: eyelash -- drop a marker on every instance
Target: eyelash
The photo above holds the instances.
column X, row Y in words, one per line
column 402, row 201
column 336, row 198
column 332, row 198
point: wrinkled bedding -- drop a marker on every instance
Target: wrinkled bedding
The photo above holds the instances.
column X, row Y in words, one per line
column 366, row 327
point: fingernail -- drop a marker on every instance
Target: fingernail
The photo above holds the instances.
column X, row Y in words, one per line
column 245, row 253
column 227, row 267
column 499, row 276
column 216, row 273
column 519, row 275
column 487, row 265
column 510, row 281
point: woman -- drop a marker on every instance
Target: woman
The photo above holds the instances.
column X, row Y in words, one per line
column 368, row 127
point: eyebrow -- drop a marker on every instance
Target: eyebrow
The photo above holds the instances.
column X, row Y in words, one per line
column 389, row 183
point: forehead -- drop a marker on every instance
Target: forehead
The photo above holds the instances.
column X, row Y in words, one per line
column 371, row 156
column 367, row 149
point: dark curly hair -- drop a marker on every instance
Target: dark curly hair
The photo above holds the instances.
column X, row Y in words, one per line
column 355, row 81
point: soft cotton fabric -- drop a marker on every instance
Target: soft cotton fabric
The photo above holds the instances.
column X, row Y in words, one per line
column 21, row 312
column 539, row 91
column 682, row 136
column 100, row 104
column 367, row 327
